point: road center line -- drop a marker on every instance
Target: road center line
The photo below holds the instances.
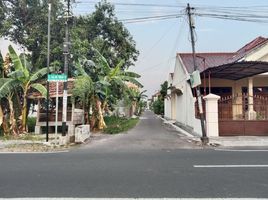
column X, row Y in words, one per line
column 230, row 166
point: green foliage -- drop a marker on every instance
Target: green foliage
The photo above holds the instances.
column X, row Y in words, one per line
column 158, row 107
column 102, row 30
column 141, row 107
column 163, row 90
column 31, row 121
column 3, row 10
column 26, row 24
column 117, row 124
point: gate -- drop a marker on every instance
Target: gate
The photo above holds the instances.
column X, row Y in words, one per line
column 234, row 118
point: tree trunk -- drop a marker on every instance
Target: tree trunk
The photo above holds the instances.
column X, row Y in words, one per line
column 12, row 120
column 101, row 122
column 97, row 121
column 4, row 123
column 24, row 114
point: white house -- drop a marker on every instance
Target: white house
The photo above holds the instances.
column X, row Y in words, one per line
column 239, row 81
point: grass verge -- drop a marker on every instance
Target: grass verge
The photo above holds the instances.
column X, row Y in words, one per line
column 22, row 137
column 118, row 124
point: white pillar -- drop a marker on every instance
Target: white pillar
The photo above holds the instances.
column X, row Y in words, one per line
column 212, row 118
column 251, row 114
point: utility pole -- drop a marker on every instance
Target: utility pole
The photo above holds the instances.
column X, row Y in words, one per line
column 204, row 137
column 48, row 63
column 66, row 56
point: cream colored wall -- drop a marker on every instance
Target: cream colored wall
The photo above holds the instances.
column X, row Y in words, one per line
column 167, row 110
column 259, row 54
column 182, row 106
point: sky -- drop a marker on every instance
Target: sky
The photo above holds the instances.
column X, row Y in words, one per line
column 159, row 40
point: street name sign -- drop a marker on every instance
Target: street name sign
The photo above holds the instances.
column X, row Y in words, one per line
column 57, row 77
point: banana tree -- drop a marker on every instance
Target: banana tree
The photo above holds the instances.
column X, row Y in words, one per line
column 8, row 86
column 26, row 81
column 104, row 80
column 134, row 97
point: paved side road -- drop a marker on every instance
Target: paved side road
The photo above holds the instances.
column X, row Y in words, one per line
column 150, row 133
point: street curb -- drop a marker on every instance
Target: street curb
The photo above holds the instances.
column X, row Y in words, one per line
column 175, row 127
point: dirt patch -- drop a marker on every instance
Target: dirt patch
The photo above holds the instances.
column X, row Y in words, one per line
column 34, row 147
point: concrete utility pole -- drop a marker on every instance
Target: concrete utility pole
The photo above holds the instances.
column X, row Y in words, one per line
column 204, row 137
column 48, row 63
column 66, row 56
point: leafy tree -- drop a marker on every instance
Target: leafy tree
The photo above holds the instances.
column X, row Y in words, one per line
column 2, row 13
column 158, row 105
column 163, row 90
column 102, row 30
column 27, row 25
column 28, row 21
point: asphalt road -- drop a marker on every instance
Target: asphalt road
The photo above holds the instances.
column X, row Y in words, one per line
column 148, row 162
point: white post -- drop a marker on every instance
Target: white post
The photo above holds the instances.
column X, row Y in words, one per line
column 212, row 118
column 251, row 114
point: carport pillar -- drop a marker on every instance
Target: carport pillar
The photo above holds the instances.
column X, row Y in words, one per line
column 251, row 114
column 212, row 117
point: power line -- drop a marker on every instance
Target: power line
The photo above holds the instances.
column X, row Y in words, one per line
column 150, row 19
column 158, row 41
column 136, row 4
column 154, row 66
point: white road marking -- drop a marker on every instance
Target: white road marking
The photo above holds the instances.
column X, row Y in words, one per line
column 51, row 152
column 243, row 150
column 230, row 166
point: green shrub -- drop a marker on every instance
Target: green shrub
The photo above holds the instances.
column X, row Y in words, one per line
column 31, row 124
column 119, row 124
column 158, row 107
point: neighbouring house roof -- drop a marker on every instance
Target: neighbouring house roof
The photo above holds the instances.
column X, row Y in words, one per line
column 249, row 47
column 227, row 65
column 52, row 90
column 204, row 60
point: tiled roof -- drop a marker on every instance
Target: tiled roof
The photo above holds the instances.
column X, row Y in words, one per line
column 204, row 60
column 208, row 60
column 259, row 41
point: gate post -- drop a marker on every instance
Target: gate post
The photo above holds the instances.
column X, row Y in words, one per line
column 212, row 118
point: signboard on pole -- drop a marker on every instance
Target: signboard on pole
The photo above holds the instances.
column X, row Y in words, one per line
column 195, row 79
column 57, row 78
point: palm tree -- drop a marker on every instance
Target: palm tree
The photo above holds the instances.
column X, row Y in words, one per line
column 22, row 78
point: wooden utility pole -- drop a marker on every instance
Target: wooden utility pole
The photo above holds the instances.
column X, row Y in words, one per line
column 204, row 137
